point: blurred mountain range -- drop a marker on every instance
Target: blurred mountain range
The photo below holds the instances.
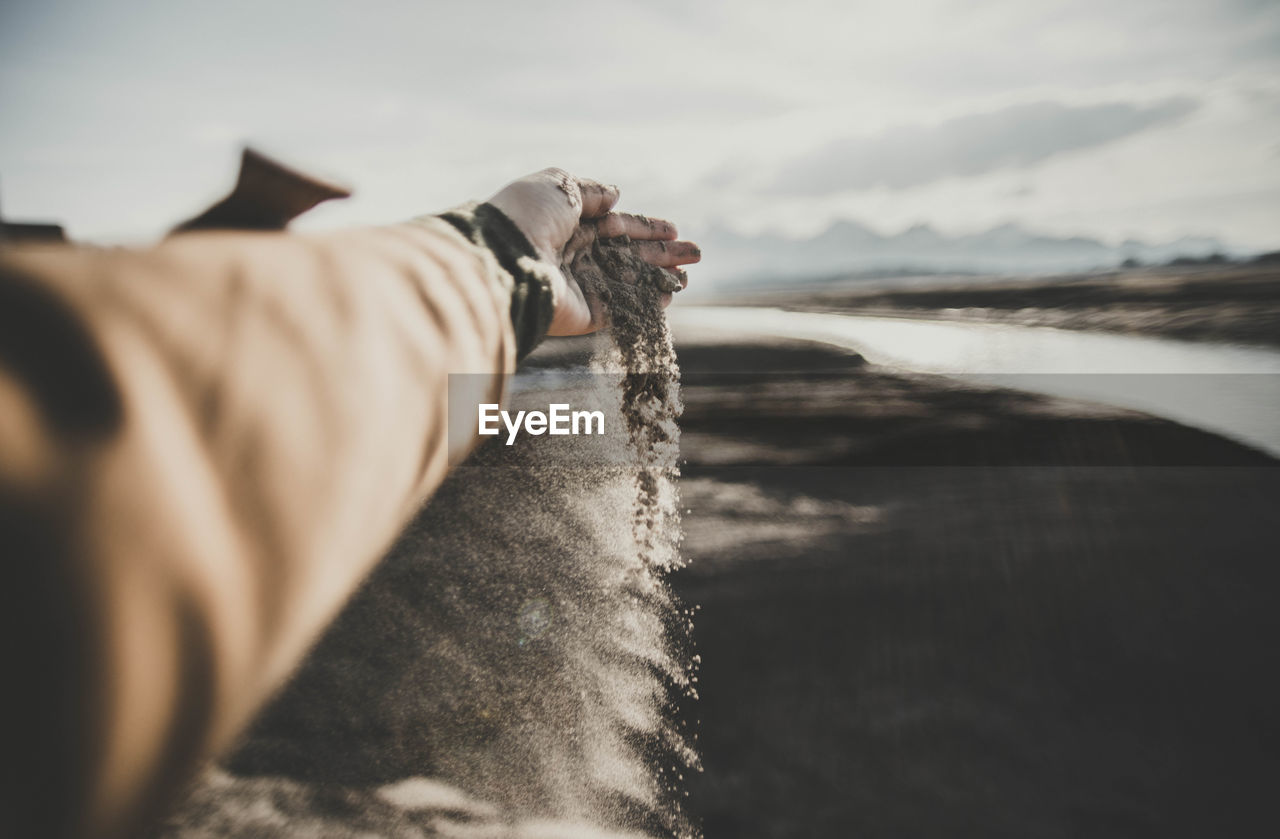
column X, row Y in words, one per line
column 848, row 248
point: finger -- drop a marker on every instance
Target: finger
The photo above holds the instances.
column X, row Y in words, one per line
column 597, row 198
column 668, row 254
column 582, row 238
column 665, row 299
column 681, row 277
column 615, row 225
column 637, row 227
column 668, row 280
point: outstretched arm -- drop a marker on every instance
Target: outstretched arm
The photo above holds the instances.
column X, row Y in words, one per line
column 206, row 445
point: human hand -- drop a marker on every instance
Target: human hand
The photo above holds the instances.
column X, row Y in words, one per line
column 562, row 216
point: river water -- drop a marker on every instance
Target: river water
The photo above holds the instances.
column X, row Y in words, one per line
column 1230, row 390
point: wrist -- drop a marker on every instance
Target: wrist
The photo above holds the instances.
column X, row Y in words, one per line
column 526, row 274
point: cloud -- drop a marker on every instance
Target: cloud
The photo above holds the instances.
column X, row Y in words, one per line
column 603, row 100
column 1015, row 137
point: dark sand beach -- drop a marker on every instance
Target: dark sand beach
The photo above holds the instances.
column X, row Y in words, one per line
column 1237, row 303
column 928, row 609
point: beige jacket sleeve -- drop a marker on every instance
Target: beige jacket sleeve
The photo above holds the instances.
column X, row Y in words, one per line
column 204, row 447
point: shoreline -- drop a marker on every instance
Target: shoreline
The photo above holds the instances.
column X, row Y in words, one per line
column 1235, row 304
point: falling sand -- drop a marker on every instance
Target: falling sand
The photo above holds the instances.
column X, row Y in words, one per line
column 517, row 665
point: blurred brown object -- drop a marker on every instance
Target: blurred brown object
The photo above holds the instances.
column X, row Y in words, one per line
column 267, row 196
column 13, row 232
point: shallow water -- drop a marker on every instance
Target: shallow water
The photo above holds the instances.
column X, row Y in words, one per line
column 1230, row 390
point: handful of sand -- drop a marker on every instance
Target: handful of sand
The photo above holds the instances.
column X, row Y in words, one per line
column 633, row 294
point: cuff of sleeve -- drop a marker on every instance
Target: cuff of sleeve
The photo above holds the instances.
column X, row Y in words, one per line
column 526, row 276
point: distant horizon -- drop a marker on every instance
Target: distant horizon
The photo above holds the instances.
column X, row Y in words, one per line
column 847, row 247
column 1113, row 241
column 722, row 227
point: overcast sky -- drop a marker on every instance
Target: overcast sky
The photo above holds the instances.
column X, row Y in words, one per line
column 1148, row 118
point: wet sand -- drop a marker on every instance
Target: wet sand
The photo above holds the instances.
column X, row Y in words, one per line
column 1233, row 303
column 935, row 610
